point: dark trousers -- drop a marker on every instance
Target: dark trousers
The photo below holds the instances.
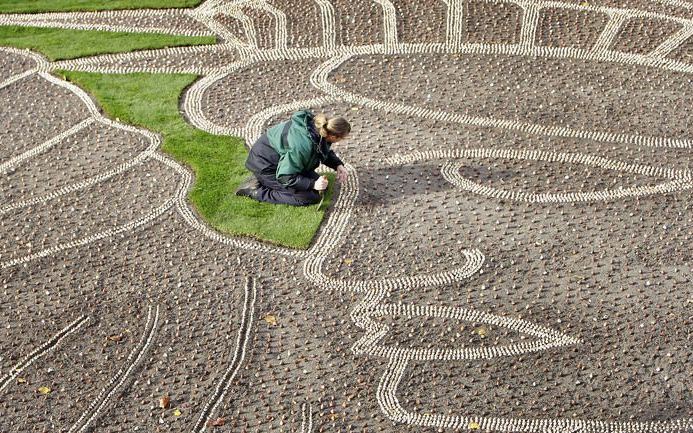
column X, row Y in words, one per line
column 262, row 162
column 271, row 191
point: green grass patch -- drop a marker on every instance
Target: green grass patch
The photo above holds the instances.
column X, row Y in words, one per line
column 151, row 101
column 61, row 44
column 33, row 6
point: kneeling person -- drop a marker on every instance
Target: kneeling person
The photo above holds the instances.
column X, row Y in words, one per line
column 284, row 159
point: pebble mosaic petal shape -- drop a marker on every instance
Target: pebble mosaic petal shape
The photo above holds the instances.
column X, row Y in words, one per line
column 518, row 206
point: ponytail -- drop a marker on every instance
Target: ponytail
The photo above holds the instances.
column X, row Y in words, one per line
column 335, row 126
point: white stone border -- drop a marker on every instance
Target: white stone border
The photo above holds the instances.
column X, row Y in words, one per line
column 42, row 350
column 59, row 20
column 41, row 62
column 389, row 24
column 327, row 20
column 97, row 405
column 677, row 3
column 392, row 408
column 680, row 179
column 224, row 383
column 124, row 228
column 14, row 162
column 319, row 79
column 101, row 63
column 586, row 7
column 454, row 24
column 17, row 77
column 673, row 42
column 306, row 420
column 94, row 112
column 154, row 143
column 191, row 219
column 193, row 99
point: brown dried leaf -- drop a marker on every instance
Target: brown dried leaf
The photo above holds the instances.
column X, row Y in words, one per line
column 44, row 390
column 348, row 261
column 21, row 380
column 165, row 402
column 270, row 319
column 216, row 422
column 116, row 337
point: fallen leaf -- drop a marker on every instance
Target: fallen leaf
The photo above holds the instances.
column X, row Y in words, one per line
column 216, row 422
column 474, row 425
column 482, row 331
column 116, row 337
column 348, row 261
column 177, row 412
column 164, row 402
column 44, row 390
column 354, row 108
column 270, row 319
column 21, row 380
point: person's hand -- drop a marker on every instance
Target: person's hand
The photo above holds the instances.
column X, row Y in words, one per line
column 342, row 174
column 321, row 184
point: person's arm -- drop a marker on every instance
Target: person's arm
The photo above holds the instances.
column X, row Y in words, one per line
column 297, row 181
column 333, row 160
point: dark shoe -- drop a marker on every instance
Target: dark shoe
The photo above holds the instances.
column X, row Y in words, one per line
column 248, row 187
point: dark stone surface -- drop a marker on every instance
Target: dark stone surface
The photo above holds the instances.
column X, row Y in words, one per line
column 613, row 274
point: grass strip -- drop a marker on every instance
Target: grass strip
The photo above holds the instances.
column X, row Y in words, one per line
column 34, row 6
column 151, row 101
column 62, row 44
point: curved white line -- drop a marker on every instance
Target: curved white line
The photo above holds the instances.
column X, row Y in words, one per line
column 678, row 3
column 452, row 174
column 14, row 162
column 389, row 24
column 71, row 20
column 17, row 77
column 154, row 141
column 680, row 179
column 392, row 408
column 319, row 79
column 91, row 106
column 404, row 283
column 239, row 354
column 194, row 97
column 139, row 159
column 12, row 21
column 327, row 20
column 306, row 421
column 133, row 360
column 280, row 27
column 41, row 62
column 102, row 61
column 92, row 238
column 637, row 13
column 189, row 217
column 672, row 42
column 42, row 350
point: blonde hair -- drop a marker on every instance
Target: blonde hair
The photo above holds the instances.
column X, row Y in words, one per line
column 335, row 126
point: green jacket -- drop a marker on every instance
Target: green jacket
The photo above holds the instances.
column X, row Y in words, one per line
column 304, row 151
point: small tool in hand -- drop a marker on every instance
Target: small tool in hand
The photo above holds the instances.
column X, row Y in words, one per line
column 322, row 195
column 322, row 198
